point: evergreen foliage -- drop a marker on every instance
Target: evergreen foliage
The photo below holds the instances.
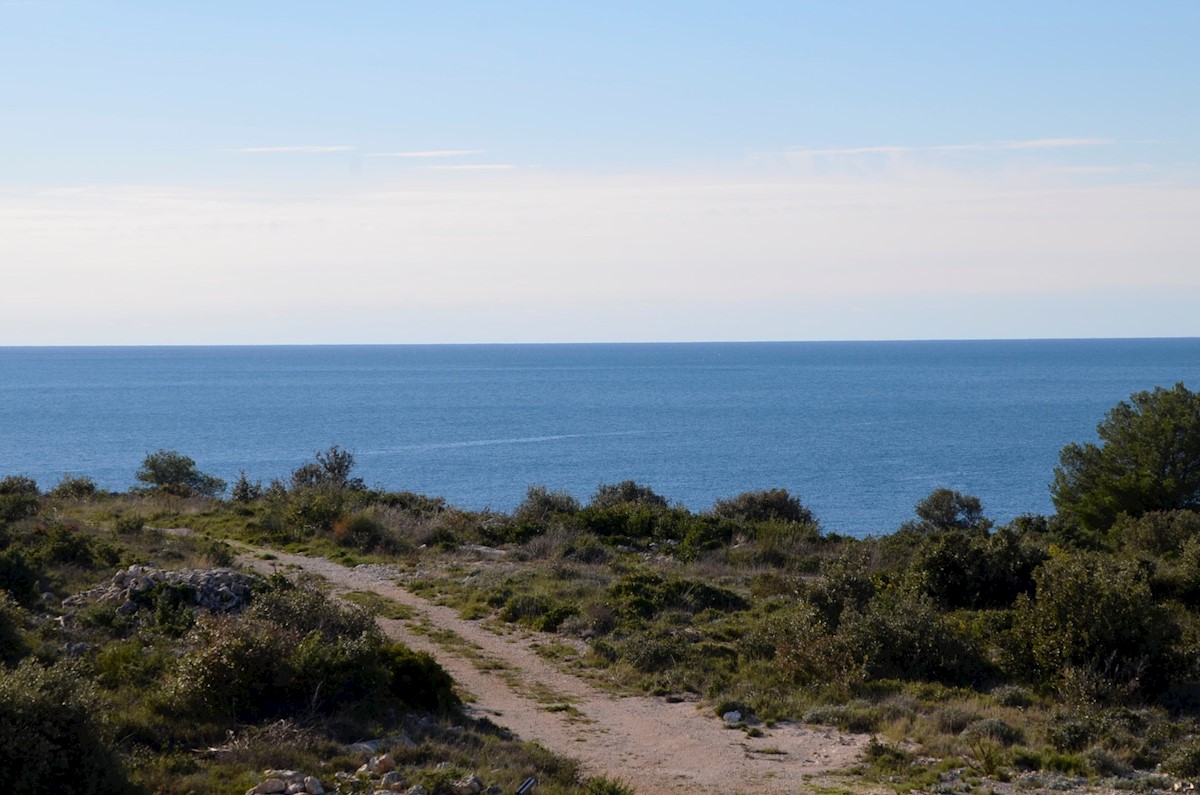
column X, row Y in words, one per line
column 174, row 473
column 1148, row 459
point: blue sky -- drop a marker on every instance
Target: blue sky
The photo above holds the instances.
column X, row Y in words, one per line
column 225, row 171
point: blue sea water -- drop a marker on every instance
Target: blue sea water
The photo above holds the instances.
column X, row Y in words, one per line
column 859, row 430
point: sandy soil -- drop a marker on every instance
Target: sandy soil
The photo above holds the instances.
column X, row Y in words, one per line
column 658, row 747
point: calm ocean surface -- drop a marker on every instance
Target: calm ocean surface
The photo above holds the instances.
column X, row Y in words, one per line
column 859, row 430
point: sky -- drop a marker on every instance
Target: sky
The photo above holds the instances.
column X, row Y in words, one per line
column 234, row 172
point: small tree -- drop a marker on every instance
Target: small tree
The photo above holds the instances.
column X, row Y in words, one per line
column 946, row 509
column 764, row 506
column 541, row 506
column 1148, row 459
column 174, row 473
column 627, row 492
column 244, row 490
column 331, row 469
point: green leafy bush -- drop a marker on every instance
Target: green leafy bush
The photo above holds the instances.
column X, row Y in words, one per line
column 12, row 644
column 968, row 569
column 50, row 740
column 1156, row 532
column 1184, row 761
column 774, row 505
column 644, row 594
column 74, row 487
column 906, row 638
column 627, row 492
column 361, row 531
column 542, row 507
column 18, row 575
column 296, row 652
column 18, row 498
column 1095, row 614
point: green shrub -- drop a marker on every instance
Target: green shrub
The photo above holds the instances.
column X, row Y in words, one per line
column 244, row 491
column 330, row 469
column 968, row 569
column 50, row 739
column 1184, row 761
column 542, row 507
column 12, row 644
column 18, row 575
column 62, row 543
column 219, row 554
column 129, row 524
column 418, row 680
column 1025, row 759
column 1092, row 613
column 774, row 505
column 174, row 473
column 906, row 638
column 954, row 718
column 294, row 652
column 887, row 758
column 74, row 487
column 993, row 729
column 1103, row 762
column 304, row 610
column 845, row 585
column 1156, row 532
column 361, row 531
column 627, row 492
column 18, row 498
column 1012, row 696
column 235, row 669
column 644, row 594
column 946, row 509
column 129, row 662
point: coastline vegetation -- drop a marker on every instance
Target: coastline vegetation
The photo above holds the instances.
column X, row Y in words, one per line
column 1050, row 649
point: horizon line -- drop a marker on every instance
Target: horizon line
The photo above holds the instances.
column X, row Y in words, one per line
column 590, row 342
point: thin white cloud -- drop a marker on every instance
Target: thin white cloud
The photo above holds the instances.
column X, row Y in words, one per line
column 474, row 167
column 987, row 146
column 1102, row 169
column 429, row 153
column 312, row 150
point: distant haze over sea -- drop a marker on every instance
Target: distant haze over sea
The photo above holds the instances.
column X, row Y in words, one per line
column 858, row 430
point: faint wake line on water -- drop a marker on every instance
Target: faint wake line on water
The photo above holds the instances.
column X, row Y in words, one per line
column 490, row 442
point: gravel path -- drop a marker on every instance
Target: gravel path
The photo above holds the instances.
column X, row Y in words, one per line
column 657, row 747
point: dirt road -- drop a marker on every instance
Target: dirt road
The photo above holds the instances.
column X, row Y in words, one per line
column 657, row 747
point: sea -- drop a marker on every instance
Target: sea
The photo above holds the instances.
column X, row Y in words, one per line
column 859, row 431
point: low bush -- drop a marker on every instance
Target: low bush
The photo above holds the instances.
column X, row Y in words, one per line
column 12, row 644
column 361, row 531
column 18, row 498
column 18, row 576
column 645, row 594
column 294, row 652
column 774, row 505
column 906, row 638
column 50, row 740
column 74, row 487
column 1091, row 613
column 1184, row 761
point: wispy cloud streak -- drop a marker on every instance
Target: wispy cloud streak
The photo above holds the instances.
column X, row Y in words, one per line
column 312, row 150
column 987, row 146
column 474, row 167
column 429, row 153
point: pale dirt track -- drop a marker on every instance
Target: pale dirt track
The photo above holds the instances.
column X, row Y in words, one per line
column 657, row 747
